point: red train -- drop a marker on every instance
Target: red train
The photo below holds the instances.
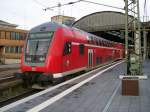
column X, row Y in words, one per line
column 53, row 51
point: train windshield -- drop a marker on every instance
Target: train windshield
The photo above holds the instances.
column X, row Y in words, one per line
column 38, row 43
column 37, row 47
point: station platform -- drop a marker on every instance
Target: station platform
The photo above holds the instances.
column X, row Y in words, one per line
column 101, row 94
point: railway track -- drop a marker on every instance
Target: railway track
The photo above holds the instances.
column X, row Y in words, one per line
column 8, row 74
column 24, row 94
column 12, row 89
column 15, row 88
column 7, row 79
column 6, row 69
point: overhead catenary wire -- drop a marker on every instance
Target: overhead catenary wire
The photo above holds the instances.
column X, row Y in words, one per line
column 39, row 3
column 103, row 4
column 60, row 5
column 71, row 3
column 42, row 5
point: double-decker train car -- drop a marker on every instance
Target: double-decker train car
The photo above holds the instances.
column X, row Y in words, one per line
column 53, row 51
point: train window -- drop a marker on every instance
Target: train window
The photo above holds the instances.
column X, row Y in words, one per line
column 81, row 49
column 94, row 41
column 97, row 42
column 102, row 43
column 106, row 44
column 91, row 38
column 67, row 48
column 110, row 44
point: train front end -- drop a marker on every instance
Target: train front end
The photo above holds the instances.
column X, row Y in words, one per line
column 36, row 56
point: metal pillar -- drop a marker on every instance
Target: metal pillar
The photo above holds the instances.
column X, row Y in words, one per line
column 134, row 57
column 145, row 44
column 126, row 36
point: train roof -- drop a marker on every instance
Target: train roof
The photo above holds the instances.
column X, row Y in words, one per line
column 89, row 34
column 48, row 26
column 52, row 26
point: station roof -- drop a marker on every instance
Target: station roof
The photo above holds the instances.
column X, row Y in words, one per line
column 6, row 24
column 102, row 21
column 146, row 24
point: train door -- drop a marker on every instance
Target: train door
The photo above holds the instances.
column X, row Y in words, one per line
column 90, row 58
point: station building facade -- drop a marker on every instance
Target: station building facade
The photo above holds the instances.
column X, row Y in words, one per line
column 11, row 43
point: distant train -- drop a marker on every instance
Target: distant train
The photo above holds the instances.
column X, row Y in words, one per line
column 53, row 51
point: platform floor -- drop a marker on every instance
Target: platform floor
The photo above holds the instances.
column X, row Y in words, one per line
column 102, row 94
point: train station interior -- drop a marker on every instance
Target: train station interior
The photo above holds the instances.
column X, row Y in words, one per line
column 99, row 62
column 111, row 25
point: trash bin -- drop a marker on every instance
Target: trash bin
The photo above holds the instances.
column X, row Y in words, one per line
column 130, row 86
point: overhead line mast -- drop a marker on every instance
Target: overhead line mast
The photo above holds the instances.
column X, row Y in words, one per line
column 134, row 56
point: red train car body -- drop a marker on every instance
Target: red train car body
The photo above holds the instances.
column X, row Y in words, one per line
column 53, row 51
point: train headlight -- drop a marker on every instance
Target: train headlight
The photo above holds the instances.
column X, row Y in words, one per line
column 41, row 58
column 28, row 59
